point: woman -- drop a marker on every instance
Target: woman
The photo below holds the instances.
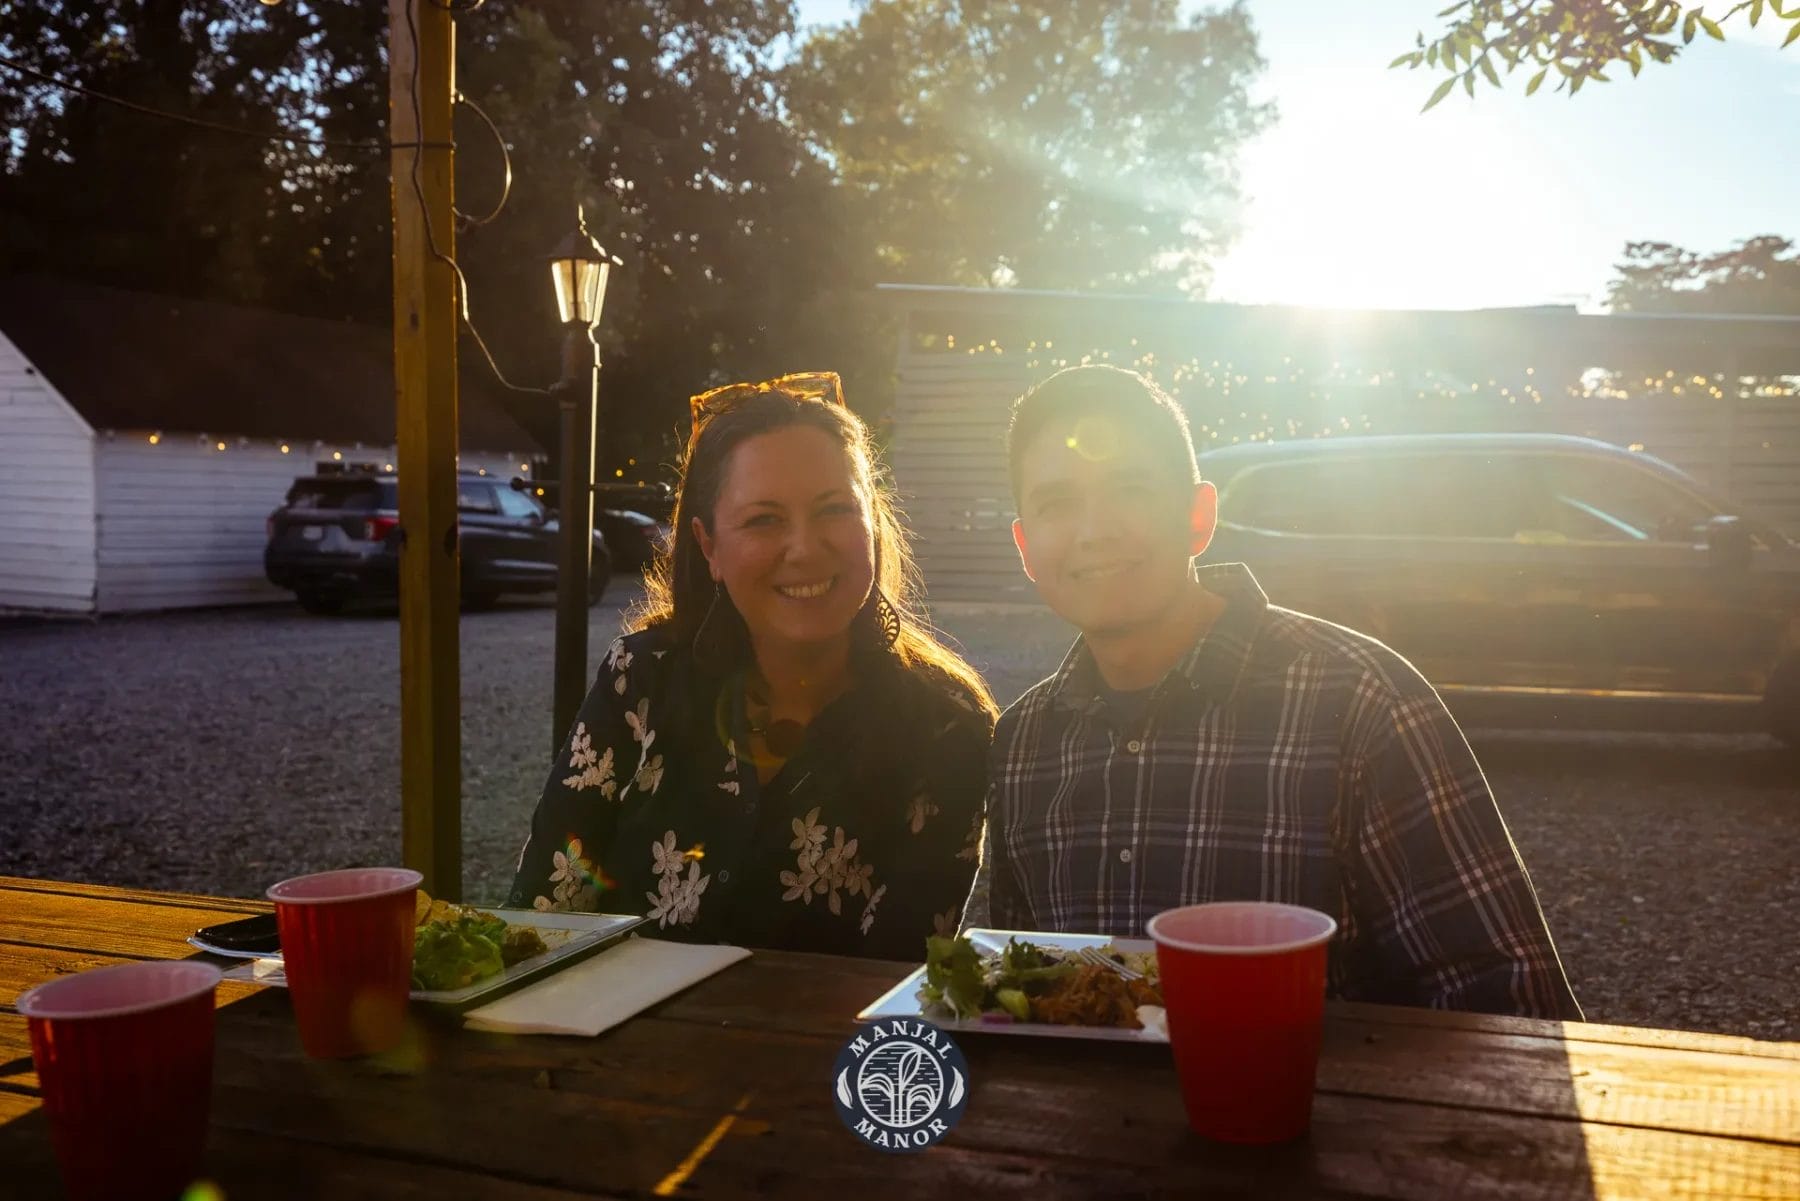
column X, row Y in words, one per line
column 781, row 755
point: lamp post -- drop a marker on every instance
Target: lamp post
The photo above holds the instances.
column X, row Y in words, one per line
column 578, row 268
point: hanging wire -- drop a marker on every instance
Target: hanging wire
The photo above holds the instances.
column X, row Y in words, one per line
column 469, row 222
column 417, row 147
column 462, row 282
column 214, row 126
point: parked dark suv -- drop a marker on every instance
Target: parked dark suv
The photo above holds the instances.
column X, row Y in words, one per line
column 1586, row 582
column 336, row 539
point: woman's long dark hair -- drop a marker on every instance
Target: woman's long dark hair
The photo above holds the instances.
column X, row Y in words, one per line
column 680, row 592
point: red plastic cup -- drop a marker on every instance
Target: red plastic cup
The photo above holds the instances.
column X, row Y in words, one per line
column 1243, row 983
column 124, row 1057
column 347, row 949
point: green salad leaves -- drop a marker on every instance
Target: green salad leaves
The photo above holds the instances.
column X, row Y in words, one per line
column 958, row 979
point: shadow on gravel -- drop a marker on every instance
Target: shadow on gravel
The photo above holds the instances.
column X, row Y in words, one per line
column 1751, row 760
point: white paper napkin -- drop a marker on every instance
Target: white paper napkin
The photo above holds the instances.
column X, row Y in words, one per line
column 599, row 993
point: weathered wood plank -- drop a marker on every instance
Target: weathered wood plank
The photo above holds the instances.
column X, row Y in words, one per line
column 135, row 929
column 109, row 892
column 278, row 1168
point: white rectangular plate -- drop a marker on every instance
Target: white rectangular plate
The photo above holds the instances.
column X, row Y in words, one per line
column 902, row 1001
column 569, row 936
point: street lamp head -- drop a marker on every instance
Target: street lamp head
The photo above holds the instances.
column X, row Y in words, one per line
column 578, row 268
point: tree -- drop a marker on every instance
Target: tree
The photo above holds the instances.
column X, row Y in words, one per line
column 1038, row 143
column 1758, row 275
column 658, row 116
column 1578, row 39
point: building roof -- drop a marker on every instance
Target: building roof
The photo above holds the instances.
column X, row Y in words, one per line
column 142, row 361
column 1472, row 340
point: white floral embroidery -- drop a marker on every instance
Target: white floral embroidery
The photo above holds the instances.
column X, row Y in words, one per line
column 868, row 913
column 799, row 885
column 659, row 654
column 944, row 924
column 649, row 774
column 574, row 883
column 920, row 809
column 593, row 770
column 971, row 849
column 668, row 860
column 677, row 898
column 639, row 721
column 687, row 906
column 824, row 871
column 808, row 835
column 617, row 657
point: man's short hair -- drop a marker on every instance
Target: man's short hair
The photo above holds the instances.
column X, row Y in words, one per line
column 1131, row 401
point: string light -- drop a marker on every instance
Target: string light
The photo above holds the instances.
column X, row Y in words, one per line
column 155, row 438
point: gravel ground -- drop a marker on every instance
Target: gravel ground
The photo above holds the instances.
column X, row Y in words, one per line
column 219, row 751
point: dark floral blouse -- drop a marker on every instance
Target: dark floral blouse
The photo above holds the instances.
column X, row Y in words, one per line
column 864, row 843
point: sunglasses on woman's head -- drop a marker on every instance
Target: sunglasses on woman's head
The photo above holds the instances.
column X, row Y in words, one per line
column 805, row 385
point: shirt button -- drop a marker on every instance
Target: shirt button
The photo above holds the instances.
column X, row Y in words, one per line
column 1125, row 855
column 724, row 877
column 1134, row 746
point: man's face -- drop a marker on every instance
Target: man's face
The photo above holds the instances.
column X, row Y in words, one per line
column 1106, row 530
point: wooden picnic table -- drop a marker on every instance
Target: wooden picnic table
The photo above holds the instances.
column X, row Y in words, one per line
column 725, row 1091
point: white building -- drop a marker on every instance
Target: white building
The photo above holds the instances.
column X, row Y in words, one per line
column 145, row 439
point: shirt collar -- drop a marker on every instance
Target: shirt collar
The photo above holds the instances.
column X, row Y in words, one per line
column 1210, row 668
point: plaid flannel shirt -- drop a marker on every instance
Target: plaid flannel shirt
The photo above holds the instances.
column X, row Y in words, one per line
column 1284, row 758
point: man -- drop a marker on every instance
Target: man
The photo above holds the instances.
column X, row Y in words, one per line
column 1200, row 744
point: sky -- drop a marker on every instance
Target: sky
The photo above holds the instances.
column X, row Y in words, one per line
column 1356, row 199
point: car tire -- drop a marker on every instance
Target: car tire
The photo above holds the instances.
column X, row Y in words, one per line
column 1781, row 702
column 599, row 575
column 321, row 604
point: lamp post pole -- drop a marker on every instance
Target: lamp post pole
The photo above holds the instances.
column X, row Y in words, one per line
column 577, row 397
column 579, row 269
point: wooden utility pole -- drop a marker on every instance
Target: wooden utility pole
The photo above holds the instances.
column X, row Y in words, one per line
column 421, row 82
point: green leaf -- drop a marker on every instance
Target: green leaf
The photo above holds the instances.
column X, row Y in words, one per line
column 1487, row 69
column 1537, row 81
column 1756, row 11
column 1636, row 59
column 1575, row 84
column 1431, row 55
column 1443, row 90
column 1454, row 7
column 1687, row 25
column 1469, row 82
column 1404, row 58
column 1792, row 34
column 1712, row 27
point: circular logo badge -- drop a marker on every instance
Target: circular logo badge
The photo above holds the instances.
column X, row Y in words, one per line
column 900, row 1084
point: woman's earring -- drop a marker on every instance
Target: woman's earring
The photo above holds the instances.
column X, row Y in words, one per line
column 887, row 620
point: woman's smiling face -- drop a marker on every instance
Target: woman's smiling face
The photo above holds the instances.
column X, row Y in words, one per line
column 791, row 537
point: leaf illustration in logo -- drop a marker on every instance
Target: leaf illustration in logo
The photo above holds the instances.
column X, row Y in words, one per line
column 843, row 1088
column 956, row 1088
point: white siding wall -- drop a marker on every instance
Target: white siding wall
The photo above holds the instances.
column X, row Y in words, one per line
column 181, row 523
column 46, row 494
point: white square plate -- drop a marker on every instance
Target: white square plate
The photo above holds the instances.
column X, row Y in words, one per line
column 902, row 1001
column 569, row 937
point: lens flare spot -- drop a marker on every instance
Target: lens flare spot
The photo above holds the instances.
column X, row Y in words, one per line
column 1095, row 439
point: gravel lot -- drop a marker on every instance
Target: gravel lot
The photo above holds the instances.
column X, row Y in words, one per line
column 219, row 751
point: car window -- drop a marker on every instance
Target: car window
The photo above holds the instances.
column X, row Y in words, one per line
column 1436, row 496
column 1606, row 500
column 335, row 495
column 516, row 504
column 475, row 498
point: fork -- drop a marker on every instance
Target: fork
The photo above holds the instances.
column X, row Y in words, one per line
column 1099, row 958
